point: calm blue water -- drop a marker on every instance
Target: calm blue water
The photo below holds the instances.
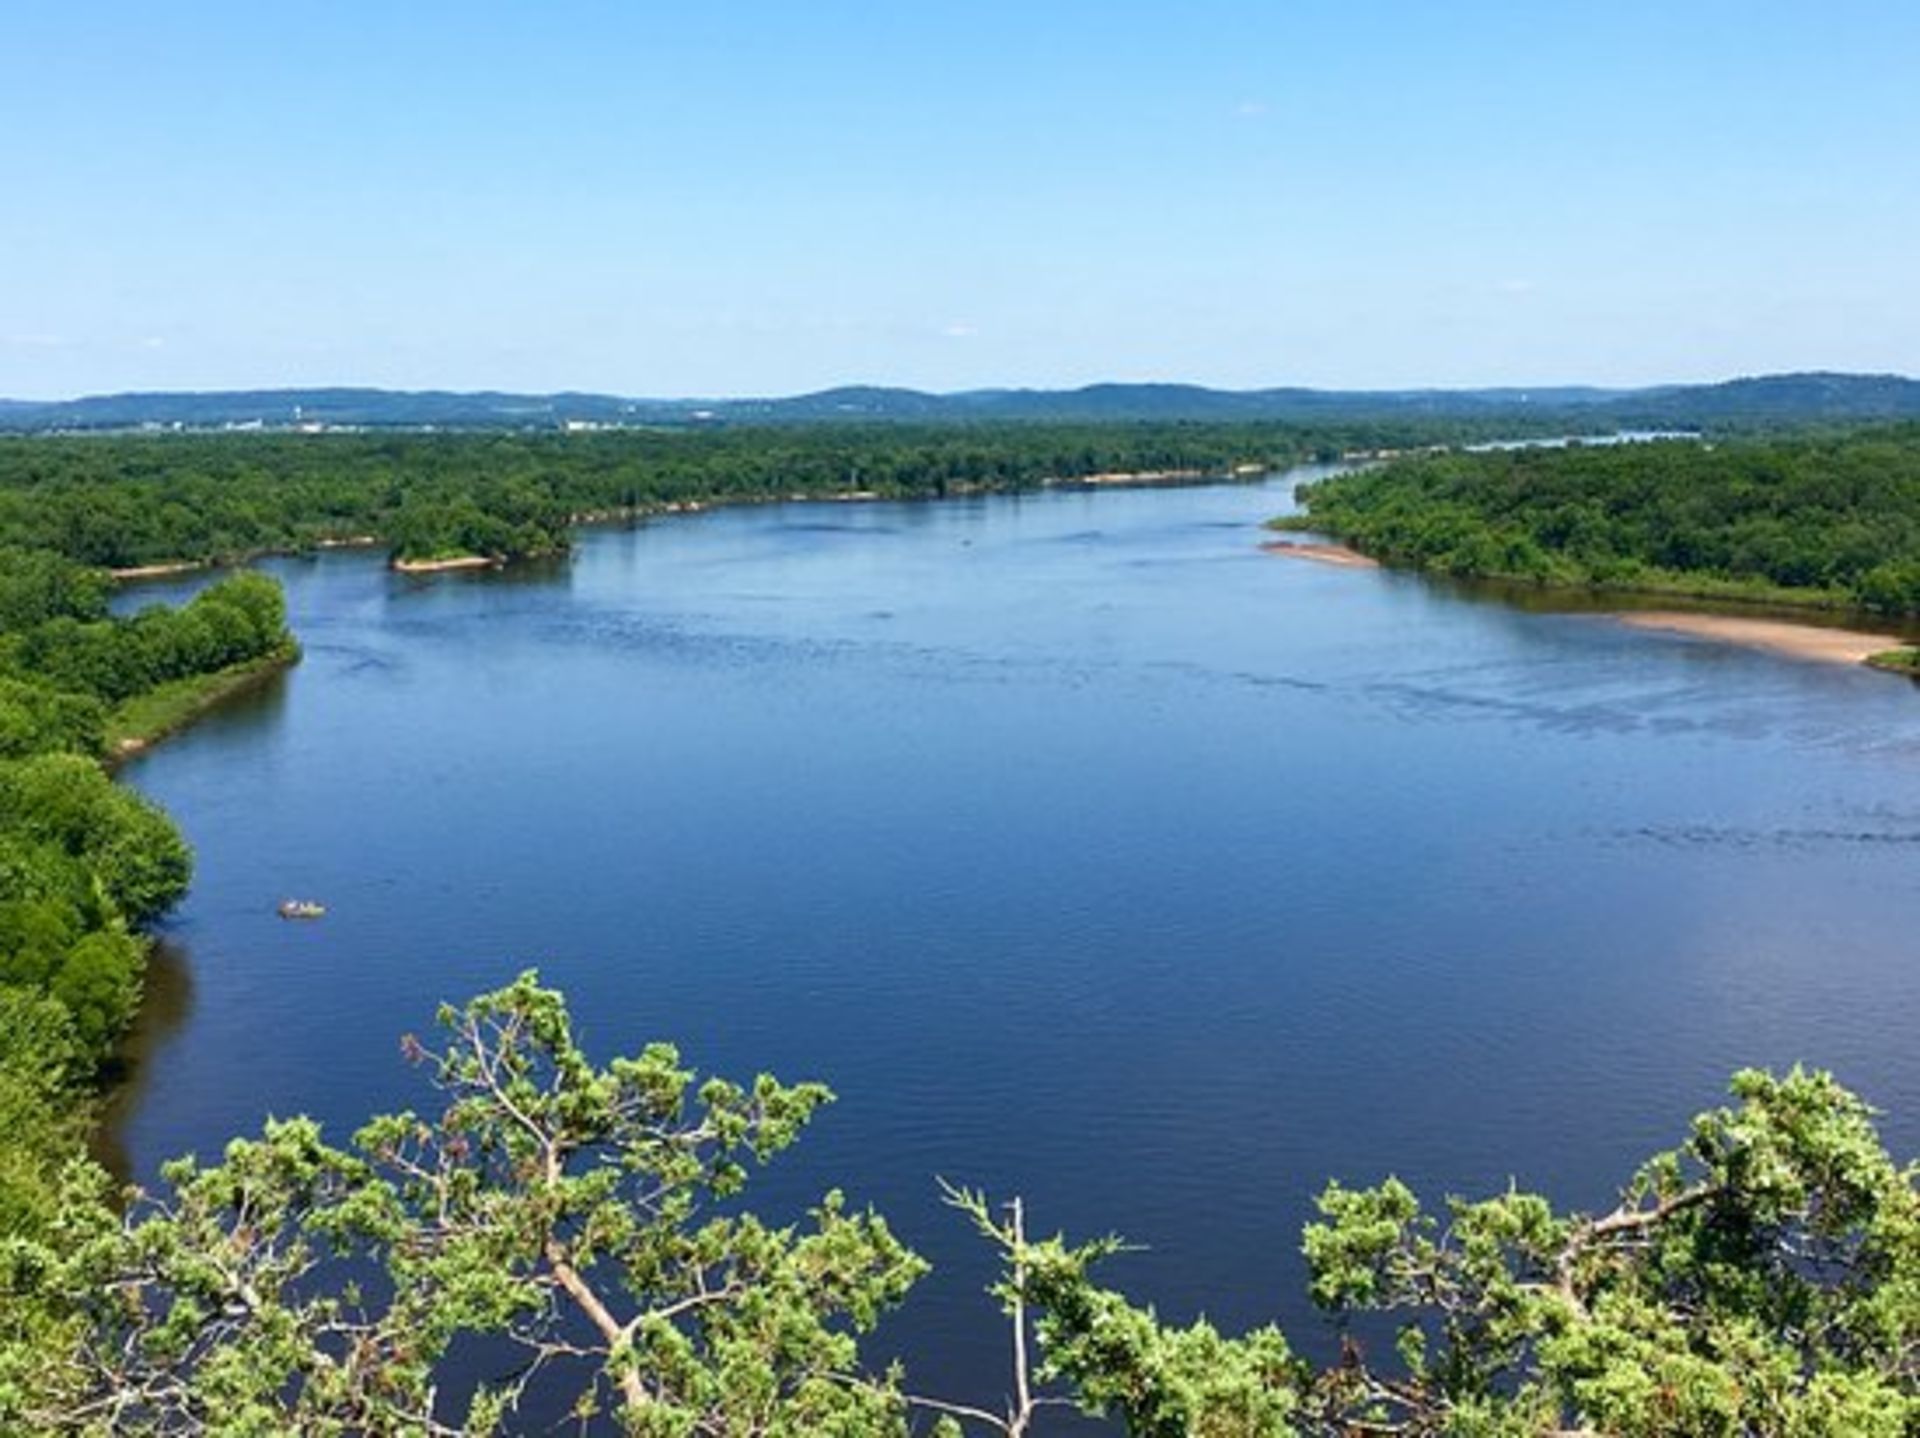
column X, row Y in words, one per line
column 1088, row 852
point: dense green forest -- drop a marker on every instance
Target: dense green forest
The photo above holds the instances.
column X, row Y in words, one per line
column 1828, row 518
column 124, row 501
column 85, row 863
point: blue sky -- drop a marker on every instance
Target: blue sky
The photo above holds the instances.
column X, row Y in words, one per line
column 765, row 198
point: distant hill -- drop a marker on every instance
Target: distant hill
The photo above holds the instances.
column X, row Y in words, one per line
column 1788, row 398
column 1766, row 400
column 284, row 407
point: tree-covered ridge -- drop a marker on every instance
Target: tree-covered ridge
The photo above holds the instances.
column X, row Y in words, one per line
column 1756, row 400
column 1828, row 518
column 1763, row 1278
column 133, row 500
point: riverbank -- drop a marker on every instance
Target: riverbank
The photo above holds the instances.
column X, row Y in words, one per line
column 1238, row 472
column 1785, row 638
column 173, row 569
column 1817, row 521
column 1244, row 473
column 1132, row 478
column 452, row 561
column 157, row 571
column 146, row 719
column 1904, row 660
column 1814, row 642
column 1320, row 553
column 1646, row 583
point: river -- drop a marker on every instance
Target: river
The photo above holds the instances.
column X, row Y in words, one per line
column 1088, row 852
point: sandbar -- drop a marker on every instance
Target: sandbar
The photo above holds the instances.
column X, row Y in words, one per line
column 1776, row 636
column 1320, row 553
column 157, row 571
column 435, row 566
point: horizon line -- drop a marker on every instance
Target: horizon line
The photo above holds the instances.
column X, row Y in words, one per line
column 991, row 389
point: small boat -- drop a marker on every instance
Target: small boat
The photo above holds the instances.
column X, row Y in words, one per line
column 301, row 909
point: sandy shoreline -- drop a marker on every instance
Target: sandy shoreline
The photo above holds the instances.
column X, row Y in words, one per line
column 157, row 571
column 1775, row 636
column 1320, row 553
column 1141, row 477
column 437, row 566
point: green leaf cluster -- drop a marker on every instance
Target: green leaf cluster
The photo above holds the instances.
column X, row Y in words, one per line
column 1762, row 1278
column 581, row 1214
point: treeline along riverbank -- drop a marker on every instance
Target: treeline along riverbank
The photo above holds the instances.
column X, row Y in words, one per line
column 86, row 863
column 1829, row 519
column 123, row 502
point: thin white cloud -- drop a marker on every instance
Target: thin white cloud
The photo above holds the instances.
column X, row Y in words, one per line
column 1250, row 109
column 960, row 330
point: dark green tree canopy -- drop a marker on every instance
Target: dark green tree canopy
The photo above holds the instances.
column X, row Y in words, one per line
column 133, row 500
column 1827, row 518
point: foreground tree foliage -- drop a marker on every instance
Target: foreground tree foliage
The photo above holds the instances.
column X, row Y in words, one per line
column 576, row 1213
column 1762, row 1278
